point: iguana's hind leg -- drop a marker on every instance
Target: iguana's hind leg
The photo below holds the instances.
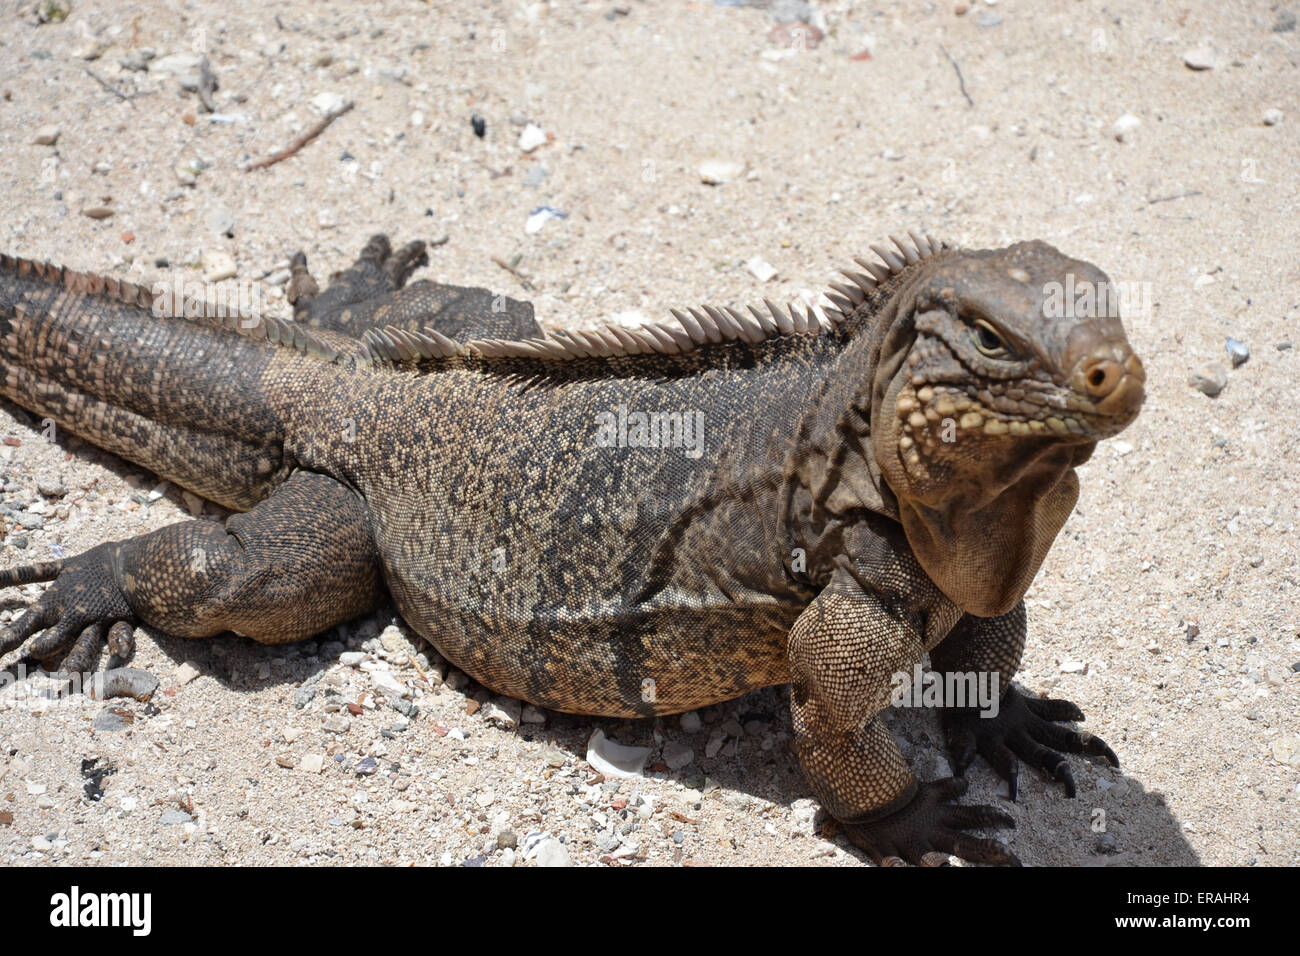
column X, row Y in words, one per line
column 1024, row 728
column 300, row 562
column 372, row 293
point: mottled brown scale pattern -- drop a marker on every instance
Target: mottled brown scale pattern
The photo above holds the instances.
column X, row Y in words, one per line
column 870, row 482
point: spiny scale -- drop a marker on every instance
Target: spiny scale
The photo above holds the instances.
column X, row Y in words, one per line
column 703, row 325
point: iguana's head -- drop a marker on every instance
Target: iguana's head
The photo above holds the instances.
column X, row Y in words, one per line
column 1002, row 370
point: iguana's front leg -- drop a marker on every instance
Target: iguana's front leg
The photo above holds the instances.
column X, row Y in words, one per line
column 300, row 562
column 844, row 650
column 1024, row 728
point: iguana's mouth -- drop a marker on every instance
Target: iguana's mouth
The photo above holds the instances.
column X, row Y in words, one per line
column 1101, row 398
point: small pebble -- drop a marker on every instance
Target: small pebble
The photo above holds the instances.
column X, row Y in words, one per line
column 551, row 852
column 613, row 759
column 218, row 265
column 479, row 125
column 1210, row 379
column 137, row 61
column 184, row 673
column 327, row 104
column 1286, row 751
column 46, row 136
column 503, row 713
column 110, row 721
column 1272, row 116
column 388, row 685
column 1237, row 352
column 404, row 707
column 541, row 216
column 1124, row 127
column 187, row 172
column 1200, row 58
column 678, row 755
column 761, row 269
column 715, row 172
column 532, row 137
column 220, row 220
column 336, row 723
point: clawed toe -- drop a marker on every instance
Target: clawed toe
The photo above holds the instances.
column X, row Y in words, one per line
column 1024, row 729
column 928, row 830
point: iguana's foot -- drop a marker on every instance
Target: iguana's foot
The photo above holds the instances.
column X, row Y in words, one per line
column 922, row 832
column 1025, row 728
column 378, row 271
column 75, row 613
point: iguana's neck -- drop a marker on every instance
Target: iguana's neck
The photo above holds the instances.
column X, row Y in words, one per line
column 833, row 476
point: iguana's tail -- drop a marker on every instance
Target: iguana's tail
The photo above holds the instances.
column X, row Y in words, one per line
column 184, row 398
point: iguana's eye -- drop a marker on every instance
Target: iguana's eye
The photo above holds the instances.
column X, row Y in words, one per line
column 988, row 341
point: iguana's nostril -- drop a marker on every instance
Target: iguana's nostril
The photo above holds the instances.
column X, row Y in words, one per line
column 1102, row 376
column 1112, row 378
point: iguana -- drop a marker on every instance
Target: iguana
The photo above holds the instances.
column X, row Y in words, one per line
column 621, row 522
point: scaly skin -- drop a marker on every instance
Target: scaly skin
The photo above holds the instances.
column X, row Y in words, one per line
column 851, row 500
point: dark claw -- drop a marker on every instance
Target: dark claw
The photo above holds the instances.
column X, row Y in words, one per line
column 1024, row 728
column 121, row 640
column 1055, row 710
column 928, row 830
column 1096, row 747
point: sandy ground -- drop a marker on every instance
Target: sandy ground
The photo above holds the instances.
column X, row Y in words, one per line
column 1189, row 519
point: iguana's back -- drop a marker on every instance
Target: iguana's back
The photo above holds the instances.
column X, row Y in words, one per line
column 602, row 536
